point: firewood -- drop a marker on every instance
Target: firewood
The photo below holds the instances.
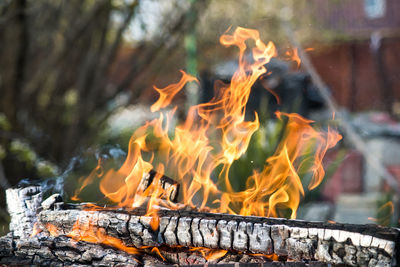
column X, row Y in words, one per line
column 169, row 185
column 179, row 236
column 22, row 204
column 60, row 251
column 298, row 240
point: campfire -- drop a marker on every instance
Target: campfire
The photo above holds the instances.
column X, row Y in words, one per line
column 173, row 201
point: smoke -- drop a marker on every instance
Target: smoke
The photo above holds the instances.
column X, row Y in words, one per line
column 109, row 156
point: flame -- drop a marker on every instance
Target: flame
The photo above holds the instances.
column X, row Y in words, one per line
column 53, row 230
column 200, row 152
column 168, row 93
column 384, row 213
column 210, row 254
column 88, row 233
column 293, row 55
column 272, row 257
column 36, row 230
column 155, row 250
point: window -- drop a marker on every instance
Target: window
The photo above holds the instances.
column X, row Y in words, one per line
column 375, row 9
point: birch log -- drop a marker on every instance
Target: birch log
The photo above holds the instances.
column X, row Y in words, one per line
column 353, row 245
column 22, row 204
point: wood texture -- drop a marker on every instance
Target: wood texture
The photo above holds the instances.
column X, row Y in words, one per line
column 297, row 240
column 22, row 204
column 170, row 186
column 179, row 234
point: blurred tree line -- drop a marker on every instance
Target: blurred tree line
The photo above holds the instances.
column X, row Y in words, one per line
column 56, row 63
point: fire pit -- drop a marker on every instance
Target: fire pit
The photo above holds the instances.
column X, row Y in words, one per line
column 197, row 217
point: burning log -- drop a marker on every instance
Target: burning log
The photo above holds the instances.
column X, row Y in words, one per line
column 214, row 135
column 354, row 245
column 126, row 236
column 59, row 251
column 167, row 184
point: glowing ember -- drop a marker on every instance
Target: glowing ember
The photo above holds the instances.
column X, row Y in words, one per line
column 210, row 254
column 200, row 152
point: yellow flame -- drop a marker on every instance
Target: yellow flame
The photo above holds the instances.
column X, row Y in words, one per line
column 200, row 152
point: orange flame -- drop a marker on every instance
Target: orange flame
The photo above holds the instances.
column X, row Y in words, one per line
column 386, row 212
column 53, row 230
column 87, row 232
column 293, row 54
column 200, row 152
column 168, row 93
column 210, row 254
column 36, row 230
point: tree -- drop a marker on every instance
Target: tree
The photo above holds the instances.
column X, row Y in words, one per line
column 57, row 63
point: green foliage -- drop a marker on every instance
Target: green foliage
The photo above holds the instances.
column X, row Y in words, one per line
column 261, row 146
column 384, row 210
column 4, row 123
column 25, row 154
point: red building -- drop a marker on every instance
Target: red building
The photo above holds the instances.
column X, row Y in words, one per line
column 362, row 66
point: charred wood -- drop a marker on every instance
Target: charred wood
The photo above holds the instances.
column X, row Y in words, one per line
column 22, row 205
column 178, row 236
column 170, row 186
column 353, row 245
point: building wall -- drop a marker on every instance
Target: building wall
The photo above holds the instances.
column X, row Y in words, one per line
column 361, row 78
column 352, row 17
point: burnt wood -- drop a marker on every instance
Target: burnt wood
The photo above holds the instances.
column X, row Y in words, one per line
column 169, row 185
column 353, row 245
column 62, row 251
column 22, row 204
column 247, row 239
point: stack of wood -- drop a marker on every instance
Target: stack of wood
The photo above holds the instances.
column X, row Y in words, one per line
column 183, row 237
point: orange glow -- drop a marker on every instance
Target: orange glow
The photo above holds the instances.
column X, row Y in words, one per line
column 210, row 254
column 386, row 210
column 87, row 232
column 168, row 93
column 199, row 152
column 36, row 230
column 155, row 250
column 294, row 56
column 53, row 230
column 272, row 257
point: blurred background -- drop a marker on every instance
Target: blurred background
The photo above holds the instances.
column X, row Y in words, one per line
column 76, row 79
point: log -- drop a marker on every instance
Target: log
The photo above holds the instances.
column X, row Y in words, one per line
column 169, row 185
column 41, row 249
column 179, row 235
column 60, row 251
column 22, row 204
column 353, row 245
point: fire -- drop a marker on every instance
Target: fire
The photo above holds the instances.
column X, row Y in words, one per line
column 200, row 152
column 87, row 232
column 36, row 230
column 294, row 56
column 384, row 214
column 210, row 254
